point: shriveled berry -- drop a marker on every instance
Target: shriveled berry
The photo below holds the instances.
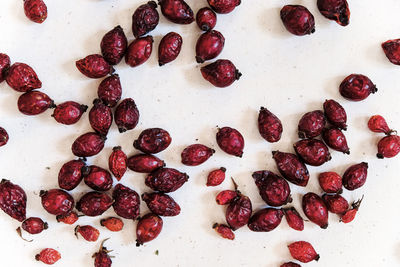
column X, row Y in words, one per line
column 336, row 203
column 161, row 204
column 392, row 50
column 89, row 233
column 303, row 251
column 34, row 103
column 4, row 66
column 94, row 66
column 34, row 225
column 357, row 87
column 337, row 10
column 291, row 168
column 69, row 218
column 312, row 151
column 88, row 144
column 225, row 197
column 113, row 45
column 238, row 212
column 315, row 209
column 273, row 189
column 101, row 258
column 330, row 182
column 206, row 19
column 349, row 215
column 69, row 112
column 166, row 180
column 265, row 220
column 126, row 115
column 216, row 177
column 336, row 140
column 110, row 90
column 298, row 20
column 335, row 114
column 378, row 124
column 221, row 73
column 293, row 219
column 35, row 10
column 117, row 162
column 224, row 231
column 100, row 117
column 3, row 136
column 113, row 224
column 355, row 176
column 152, row 140
column 48, row 256
column 126, row 202
column 139, row 51
column 223, row 6
column 209, row 45
column 22, row 78
column 177, row 11
column 98, row 179
column 148, row 228
column 169, row 48
column 71, row 174
column 230, row 141
column 144, row 163
column 311, row 124
column 388, row 147
column 269, row 126
column 57, row 201
column 145, row 19
column 196, row 154
column 290, row 264
column 13, row 200
column 94, row 203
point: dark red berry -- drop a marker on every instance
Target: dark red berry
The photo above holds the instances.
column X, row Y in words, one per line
column 69, row 112
column 216, row 177
column 290, row 264
column 298, row 20
column 330, row 182
column 144, row 163
column 94, row 66
column 148, row 228
column 152, row 140
column 336, row 140
column 89, row 233
column 57, row 201
column 291, row 168
column 110, row 90
column 94, row 203
column 88, row 144
column 349, row 215
column 169, row 48
column 303, row 251
column 71, row 174
column 22, row 78
column 238, row 212
column 126, row 115
column 223, row 6
column 230, row 141
column 126, row 202
column 357, row 87
column 392, row 50
column 221, row 73
column 196, row 154
column 355, row 176
column 389, row 147
column 177, row 11
column 378, row 124
column 139, row 51
column 113, row 224
column 312, row 151
column 225, row 197
column 337, row 10
column 145, row 19
column 166, row 180
column 315, row 209
column 35, row 10
column 3, row 136
column 100, row 117
column 48, row 256
column 293, row 218
column 206, row 19
column 34, row 103
column 269, row 126
column 4, row 66
column 34, row 225
column 69, row 218
column 13, row 200
column 265, row 220
column 209, row 45
column 101, row 258
column 224, row 231
column 161, row 204
column 98, row 179
column 274, row 190
column 336, row 203
column 335, row 114
column 311, row 124
column 117, row 162
column 113, row 45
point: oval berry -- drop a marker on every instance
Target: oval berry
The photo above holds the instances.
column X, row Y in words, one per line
column 330, row 182
column 126, row 202
column 169, row 48
column 161, row 204
column 94, row 203
column 35, row 10
column 298, row 20
column 336, row 203
column 177, row 11
column 144, row 163
column 349, row 215
column 13, row 200
column 3, row 136
column 303, row 251
column 221, row 73
column 57, row 201
column 71, row 174
column 230, row 141
column 238, row 212
column 126, row 115
column 166, row 180
column 139, row 51
column 225, row 197
column 392, row 50
column 113, row 45
column 357, row 87
column 291, row 168
column 206, row 19
column 22, row 78
column 389, row 147
column 117, row 162
column 110, row 90
column 34, row 225
column 265, row 220
column 216, row 177
column 98, row 179
column 335, row 114
column 34, row 103
column 311, row 124
column 145, row 19
column 269, row 126
column 209, row 45
column 290, row 264
column 4, row 66
column 152, row 140
column 100, row 117
column 148, row 228
column 196, row 154
column 69, row 112
column 223, row 6
column 355, row 176
column 224, row 231
column 87, row 145
column 293, row 218
column 69, row 218
column 315, row 209
column 336, row 140
column 48, row 256
column 378, row 124
column 89, row 233
column 312, row 151
column 113, row 224
column 94, row 66
column 337, row 10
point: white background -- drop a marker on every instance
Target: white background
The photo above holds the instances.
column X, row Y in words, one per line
column 290, row 75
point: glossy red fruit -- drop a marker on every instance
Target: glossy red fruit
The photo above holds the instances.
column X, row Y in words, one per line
column 337, row 10
column 265, row 220
column 69, row 218
column 224, row 231
column 34, row 103
column 94, row 66
column 357, row 87
column 230, row 141
column 22, row 78
column 293, row 219
column 238, row 212
column 223, row 6
column 166, row 180
column 206, row 19
column 303, row 251
column 117, row 162
column 88, row 144
column 209, row 45
column 101, row 258
column 269, row 126
column 57, row 201
column 34, row 225
column 89, row 233
column 315, row 209
column 169, row 48
column 274, row 190
column 152, row 140
column 71, row 174
column 113, row 224
column 298, row 20
column 350, row 214
column 98, row 179
column 148, row 228
column 13, row 200
column 392, row 50
column 139, row 51
column 225, row 197
column 336, row 203
column 311, row 124
column 145, row 19
column 216, row 177
column 389, row 147
column 94, row 203
column 355, row 176
column 336, row 140
column 335, row 114
column 330, row 182
column 4, row 66
column 161, row 204
column 144, row 163
column 69, row 112
column 110, row 90
column 113, row 45
column 378, row 124
column 196, row 154
column 291, row 168
column 35, row 10
column 126, row 202
column 177, row 11
column 48, row 256
column 126, row 115
column 3, row 136
column 221, row 73
column 290, row 264
column 100, row 117
column 312, row 151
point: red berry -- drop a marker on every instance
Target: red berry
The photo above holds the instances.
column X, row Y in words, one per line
column 221, row 73
column 336, row 203
column 224, row 231
column 35, row 10
column 117, row 162
column 139, row 51
column 13, row 200
column 303, row 251
column 312, row 151
column 113, row 224
column 196, row 154
column 169, row 48
column 94, row 203
column 357, row 87
column 101, row 258
column 57, row 201
column 126, row 202
column 100, row 117
column 206, row 19
column 209, row 45
column 291, row 168
column 34, row 103
column 223, row 6
column 335, row 114
column 392, row 50
column 98, row 179
column 355, row 176
column 388, row 147
column 298, row 20
column 225, row 197
column 22, row 78
column 113, row 45
column 145, row 19
column 230, row 141
column 166, row 180
column 89, row 233
column 69, row 112
column 126, row 115
column 69, row 218
column 3, row 136
column 349, row 215
column 34, row 225
column 336, row 140
column 4, row 66
column 152, row 140
column 48, row 256
column 216, row 177
column 290, row 264
column 311, row 124
column 161, row 204
column 177, row 11
column 269, row 126
column 378, row 124
column 88, row 144
column 265, row 220
column 144, row 163
column 110, row 90
column 94, row 66
column 293, row 218
column 71, row 174
column 337, row 10
column 238, row 212
column 148, row 228
column 315, row 209
column 330, row 182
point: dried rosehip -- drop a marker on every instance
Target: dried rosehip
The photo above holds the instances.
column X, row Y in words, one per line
column 117, row 162
column 290, row 264
column 71, row 174
column 274, row 190
column 161, row 204
column 98, row 179
column 206, row 19
column 209, row 45
column 291, row 168
column 3, row 136
column 355, row 176
column 94, row 66
column 89, row 233
column 225, row 197
column 57, row 201
column 169, row 48
column 336, row 140
column 388, row 147
column 110, row 90
column 337, row 10
column 144, row 163
column 224, row 231
column 113, row 45
column 315, row 209
column 378, row 124
column 392, row 50
column 13, row 200
column 298, row 20
column 22, row 78
column 349, row 215
column 312, row 151
column 177, row 11
column 126, row 115
column 238, row 212
column 335, row 114
column 265, row 220
column 139, row 51
column 293, row 218
column 94, row 203
column 88, row 144
column 34, row 103
column 223, row 6
column 101, row 258
column 48, row 256
column 196, row 154
column 126, row 202
column 69, row 218
column 113, row 224
column 148, row 228
column 221, row 73
column 330, row 182
column 152, row 140
column 69, row 112
column 357, row 87
column 100, row 117
column 145, row 19
column 4, row 66
column 303, row 251
column 34, row 225
column 166, row 180
column 216, row 177
column 230, row 141
column 269, row 126
column 35, row 10
column 336, row 203
column 311, row 124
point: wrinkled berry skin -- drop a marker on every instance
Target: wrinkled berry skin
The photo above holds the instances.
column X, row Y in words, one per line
column 89, row 233
column 22, row 78
column 13, row 200
column 291, row 168
column 311, row 124
column 169, row 48
column 34, row 102
column 303, row 251
column 357, row 87
column 152, row 140
column 265, row 220
column 126, row 202
column 34, row 225
column 209, row 45
column 378, row 124
column 110, row 90
column 35, row 10
column 350, row 214
column 48, row 256
column 336, row 203
column 100, row 117
column 177, row 11
column 330, row 182
column 4, row 66
column 144, row 163
column 269, row 126
column 69, row 218
column 113, row 45
column 315, row 209
column 3, row 136
column 94, row 66
column 337, row 10
column 57, row 201
column 98, row 179
column 94, row 204
column 145, row 19
column 196, row 154
column 161, row 204
column 355, row 176
column 238, row 212
column 216, row 177
column 274, row 190
column 290, row 264
column 139, row 51
column 117, row 162
column 71, row 174
column 148, row 228
column 221, row 73
column 223, row 6
column 224, row 231
column 225, row 197
column 389, row 147
column 298, row 20
column 206, row 19
column 293, row 218
column 166, row 180
column 312, row 151
column 335, row 114
column 392, row 50
column 336, row 140
column 69, row 112
column 126, row 115
column 230, row 141
column 113, row 224
column 101, row 258
column 87, row 145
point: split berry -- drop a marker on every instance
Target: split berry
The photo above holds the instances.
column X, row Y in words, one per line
column 337, row 10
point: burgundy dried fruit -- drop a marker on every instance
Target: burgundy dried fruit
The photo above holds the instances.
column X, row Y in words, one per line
column 3, row 136
column 71, row 174
column 88, row 144
column 349, row 215
column 388, row 147
column 94, row 203
column 13, row 200
column 206, row 19
column 293, row 218
column 113, row 224
column 230, row 141
column 311, row 124
column 94, row 66
column 69, row 112
column 291, row 168
column 101, row 258
column 139, row 51
column 298, row 20
column 145, row 19
column 223, row 6
column 336, row 140
column 89, row 233
column 48, row 256
column 216, row 177
column 330, row 182
column 148, row 228
column 315, row 209
column 110, row 90
column 34, row 225
column 209, row 45
column 177, row 11
column 100, row 117
column 69, row 218
column 221, row 73
column 312, row 151
column 169, row 48
column 392, row 50
column 98, row 179
column 34, row 103
column 57, row 201
column 4, row 66
column 337, row 10
column 113, row 45
column 224, row 231
column 355, row 176
column 166, row 180
column 238, row 212
column 265, row 220
column 117, row 162
column 126, row 115
column 335, row 114
column 144, row 163
column 290, row 264
column 196, row 154
column 161, row 204
column 336, row 203
column 22, row 78
column 225, row 197
column 126, row 202
column 357, row 87
column 303, row 251
column 35, row 10
column 274, row 190
column 269, row 126
column 378, row 124
column 152, row 140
